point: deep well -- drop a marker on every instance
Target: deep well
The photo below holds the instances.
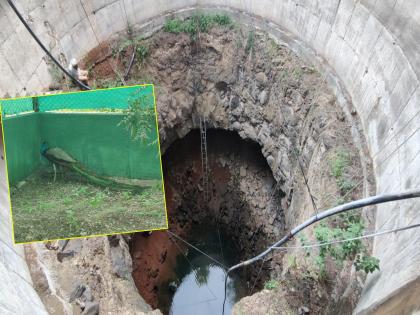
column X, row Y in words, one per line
column 367, row 50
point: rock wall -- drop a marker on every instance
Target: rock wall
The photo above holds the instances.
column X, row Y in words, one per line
column 372, row 46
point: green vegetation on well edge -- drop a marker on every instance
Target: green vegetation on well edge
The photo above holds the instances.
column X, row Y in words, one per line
column 197, row 23
column 340, row 164
column 271, row 284
column 344, row 226
column 250, row 42
column 141, row 48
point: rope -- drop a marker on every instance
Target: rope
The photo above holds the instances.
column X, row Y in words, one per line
column 190, row 263
column 258, row 275
column 315, row 208
column 197, row 249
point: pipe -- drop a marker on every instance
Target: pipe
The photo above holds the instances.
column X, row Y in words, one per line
column 127, row 72
column 369, row 201
column 81, row 84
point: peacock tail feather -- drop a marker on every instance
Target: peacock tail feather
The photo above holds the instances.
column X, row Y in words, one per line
column 61, row 157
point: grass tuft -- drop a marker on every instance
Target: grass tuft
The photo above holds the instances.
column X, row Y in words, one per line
column 197, row 23
column 43, row 209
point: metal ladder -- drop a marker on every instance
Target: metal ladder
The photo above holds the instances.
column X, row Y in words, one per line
column 204, row 158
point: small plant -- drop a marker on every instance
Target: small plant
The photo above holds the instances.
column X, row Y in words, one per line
column 340, row 164
column 297, row 73
column 174, row 26
column 345, row 184
column 140, row 47
column 222, row 19
column 126, row 195
column 109, row 83
column 98, row 199
column 30, row 209
column 80, row 191
column 139, row 118
column 68, row 200
column 142, row 52
column 198, row 22
column 56, row 74
column 73, row 222
column 340, row 161
column 292, row 261
column 348, row 226
column 250, row 42
column 271, row 284
column 304, row 242
column 366, row 263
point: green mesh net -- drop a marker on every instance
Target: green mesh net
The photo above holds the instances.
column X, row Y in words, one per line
column 97, row 100
column 90, row 126
column 17, row 106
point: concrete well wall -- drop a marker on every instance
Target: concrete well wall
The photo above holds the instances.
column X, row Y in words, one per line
column 373, row 46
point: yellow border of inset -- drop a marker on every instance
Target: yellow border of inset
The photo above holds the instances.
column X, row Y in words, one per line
column 95, row 235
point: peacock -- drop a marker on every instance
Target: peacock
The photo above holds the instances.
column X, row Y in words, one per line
column 58, row 156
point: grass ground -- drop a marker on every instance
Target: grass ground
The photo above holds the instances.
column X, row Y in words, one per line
column 43, row 209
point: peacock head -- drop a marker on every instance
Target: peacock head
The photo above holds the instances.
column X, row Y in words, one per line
column 44, row 147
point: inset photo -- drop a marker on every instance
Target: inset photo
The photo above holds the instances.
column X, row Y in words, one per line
column 84, row 164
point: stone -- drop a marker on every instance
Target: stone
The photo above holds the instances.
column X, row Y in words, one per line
column 278, row 61
column 114, row 240
column 303, row 310
column 242, row 171
column 263, row 97
column 121, row 260
column 66, row 254
column 91, row 308
column 270, row 161
column 261, row 78
column 249, row 131
column 77, row 292
column 87, row 295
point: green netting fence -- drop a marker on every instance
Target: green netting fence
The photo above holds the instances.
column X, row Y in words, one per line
column 83, row 125
column 107, row 99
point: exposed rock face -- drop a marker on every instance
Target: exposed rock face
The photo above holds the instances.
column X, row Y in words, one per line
column 96, row 279
column 265, row 94
column 241, row 203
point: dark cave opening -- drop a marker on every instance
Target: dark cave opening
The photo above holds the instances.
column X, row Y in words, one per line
column 241, row 217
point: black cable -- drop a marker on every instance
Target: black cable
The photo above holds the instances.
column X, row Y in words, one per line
column 415, row 193
column 81, row 84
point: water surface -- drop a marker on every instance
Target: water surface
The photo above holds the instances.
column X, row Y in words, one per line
column 198, row 287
